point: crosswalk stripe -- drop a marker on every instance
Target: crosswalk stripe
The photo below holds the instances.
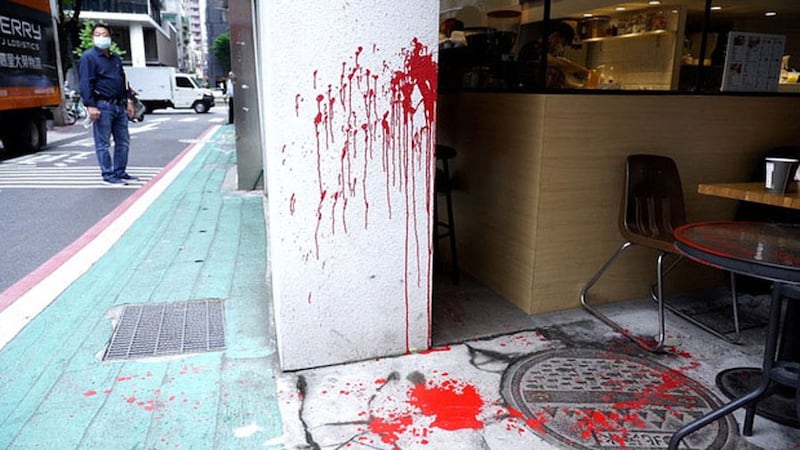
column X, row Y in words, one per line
column 17, row 177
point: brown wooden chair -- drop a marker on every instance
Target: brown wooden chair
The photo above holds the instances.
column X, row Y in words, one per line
column 652, row 208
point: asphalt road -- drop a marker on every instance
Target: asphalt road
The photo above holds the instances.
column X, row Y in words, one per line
column 50, row 198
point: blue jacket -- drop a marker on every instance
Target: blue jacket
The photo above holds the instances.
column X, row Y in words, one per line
column 102, row 77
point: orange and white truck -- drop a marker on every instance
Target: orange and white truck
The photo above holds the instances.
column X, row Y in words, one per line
column 30, row 72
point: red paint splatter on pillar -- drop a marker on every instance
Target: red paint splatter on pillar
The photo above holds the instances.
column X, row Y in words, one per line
column 412, row 87
column 453, row 405
column 90, row 393
column 405, row 131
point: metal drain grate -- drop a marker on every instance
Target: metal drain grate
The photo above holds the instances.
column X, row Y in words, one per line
column 149, row 330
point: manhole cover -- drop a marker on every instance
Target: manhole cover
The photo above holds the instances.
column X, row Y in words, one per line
column 588, row 398
column 149, row 330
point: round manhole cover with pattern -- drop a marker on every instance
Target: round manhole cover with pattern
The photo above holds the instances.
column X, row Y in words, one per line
column 589, row 398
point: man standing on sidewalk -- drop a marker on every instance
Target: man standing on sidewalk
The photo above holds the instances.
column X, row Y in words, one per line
column 229, row 88
column 105, row 94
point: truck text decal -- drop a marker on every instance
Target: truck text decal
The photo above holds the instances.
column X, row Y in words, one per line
column 17, row 27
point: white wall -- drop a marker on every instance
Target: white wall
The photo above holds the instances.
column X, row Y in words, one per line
column 349, row 171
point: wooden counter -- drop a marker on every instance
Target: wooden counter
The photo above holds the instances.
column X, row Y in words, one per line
column 752, row 192
column 539, row 182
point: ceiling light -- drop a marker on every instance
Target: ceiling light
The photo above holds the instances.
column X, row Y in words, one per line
column 587, row 15
column 770, row 13
column 716, row 8
column 654, row 2
column 620, row 8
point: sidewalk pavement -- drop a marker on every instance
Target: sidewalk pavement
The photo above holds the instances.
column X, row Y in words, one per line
column 550, row 381
column 199, row 239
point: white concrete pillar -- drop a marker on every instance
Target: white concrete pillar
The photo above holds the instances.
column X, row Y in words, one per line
column 136, row 35
column 349, row 95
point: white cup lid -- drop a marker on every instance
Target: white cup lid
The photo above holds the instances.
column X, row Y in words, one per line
column 790, row 160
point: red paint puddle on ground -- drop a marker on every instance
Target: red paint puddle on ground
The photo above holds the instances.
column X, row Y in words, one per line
column 446, row 348
column 390, row 430
column 454, row 405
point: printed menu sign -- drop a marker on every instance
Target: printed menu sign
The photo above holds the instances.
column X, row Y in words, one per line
column 752, row 62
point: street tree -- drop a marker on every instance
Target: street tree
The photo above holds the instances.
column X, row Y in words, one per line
column 222, row 51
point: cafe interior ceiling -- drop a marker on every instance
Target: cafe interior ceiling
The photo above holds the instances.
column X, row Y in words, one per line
column 728, row 8
column 573, row 8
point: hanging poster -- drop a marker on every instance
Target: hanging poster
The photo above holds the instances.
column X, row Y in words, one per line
column 752, row 62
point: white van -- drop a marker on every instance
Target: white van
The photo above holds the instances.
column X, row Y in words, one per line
column 163, row 87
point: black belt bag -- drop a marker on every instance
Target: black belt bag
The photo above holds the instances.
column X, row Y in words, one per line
column 113, row 101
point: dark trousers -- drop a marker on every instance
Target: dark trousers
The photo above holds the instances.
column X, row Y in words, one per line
column 230, row 109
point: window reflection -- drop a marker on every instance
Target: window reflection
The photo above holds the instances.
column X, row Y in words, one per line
column 668, row 45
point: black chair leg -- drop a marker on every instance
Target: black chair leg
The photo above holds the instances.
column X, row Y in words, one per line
column 443, row 187
column 452, row 235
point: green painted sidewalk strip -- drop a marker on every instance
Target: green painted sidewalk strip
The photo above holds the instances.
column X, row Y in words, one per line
column 195, row 241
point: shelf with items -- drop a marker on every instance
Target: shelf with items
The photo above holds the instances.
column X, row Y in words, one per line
column 629, row 35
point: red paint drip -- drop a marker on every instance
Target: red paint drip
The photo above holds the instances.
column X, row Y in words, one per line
column 407, row 148
column 455, row 407
column 90, row 393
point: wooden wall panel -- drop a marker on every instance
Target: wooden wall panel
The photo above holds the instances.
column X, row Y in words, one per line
column 540, row 181
column 498, row 140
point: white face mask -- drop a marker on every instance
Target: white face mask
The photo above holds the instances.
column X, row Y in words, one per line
column 102, row 42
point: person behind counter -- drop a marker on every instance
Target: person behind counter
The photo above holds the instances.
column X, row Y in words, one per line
column 561, row 72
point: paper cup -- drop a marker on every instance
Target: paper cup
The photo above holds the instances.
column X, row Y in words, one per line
column 778, row 172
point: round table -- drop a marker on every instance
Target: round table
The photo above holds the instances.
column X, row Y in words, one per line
column 764, row 250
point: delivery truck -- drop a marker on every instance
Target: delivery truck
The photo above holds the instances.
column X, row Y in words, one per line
column 30, row 73
column 164, row 87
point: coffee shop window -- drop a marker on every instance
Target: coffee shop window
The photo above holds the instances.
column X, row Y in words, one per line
column 650, row 45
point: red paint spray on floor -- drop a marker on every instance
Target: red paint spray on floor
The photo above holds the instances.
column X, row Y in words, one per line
column 390, row 430
column 535, row 423
column 455, row 406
